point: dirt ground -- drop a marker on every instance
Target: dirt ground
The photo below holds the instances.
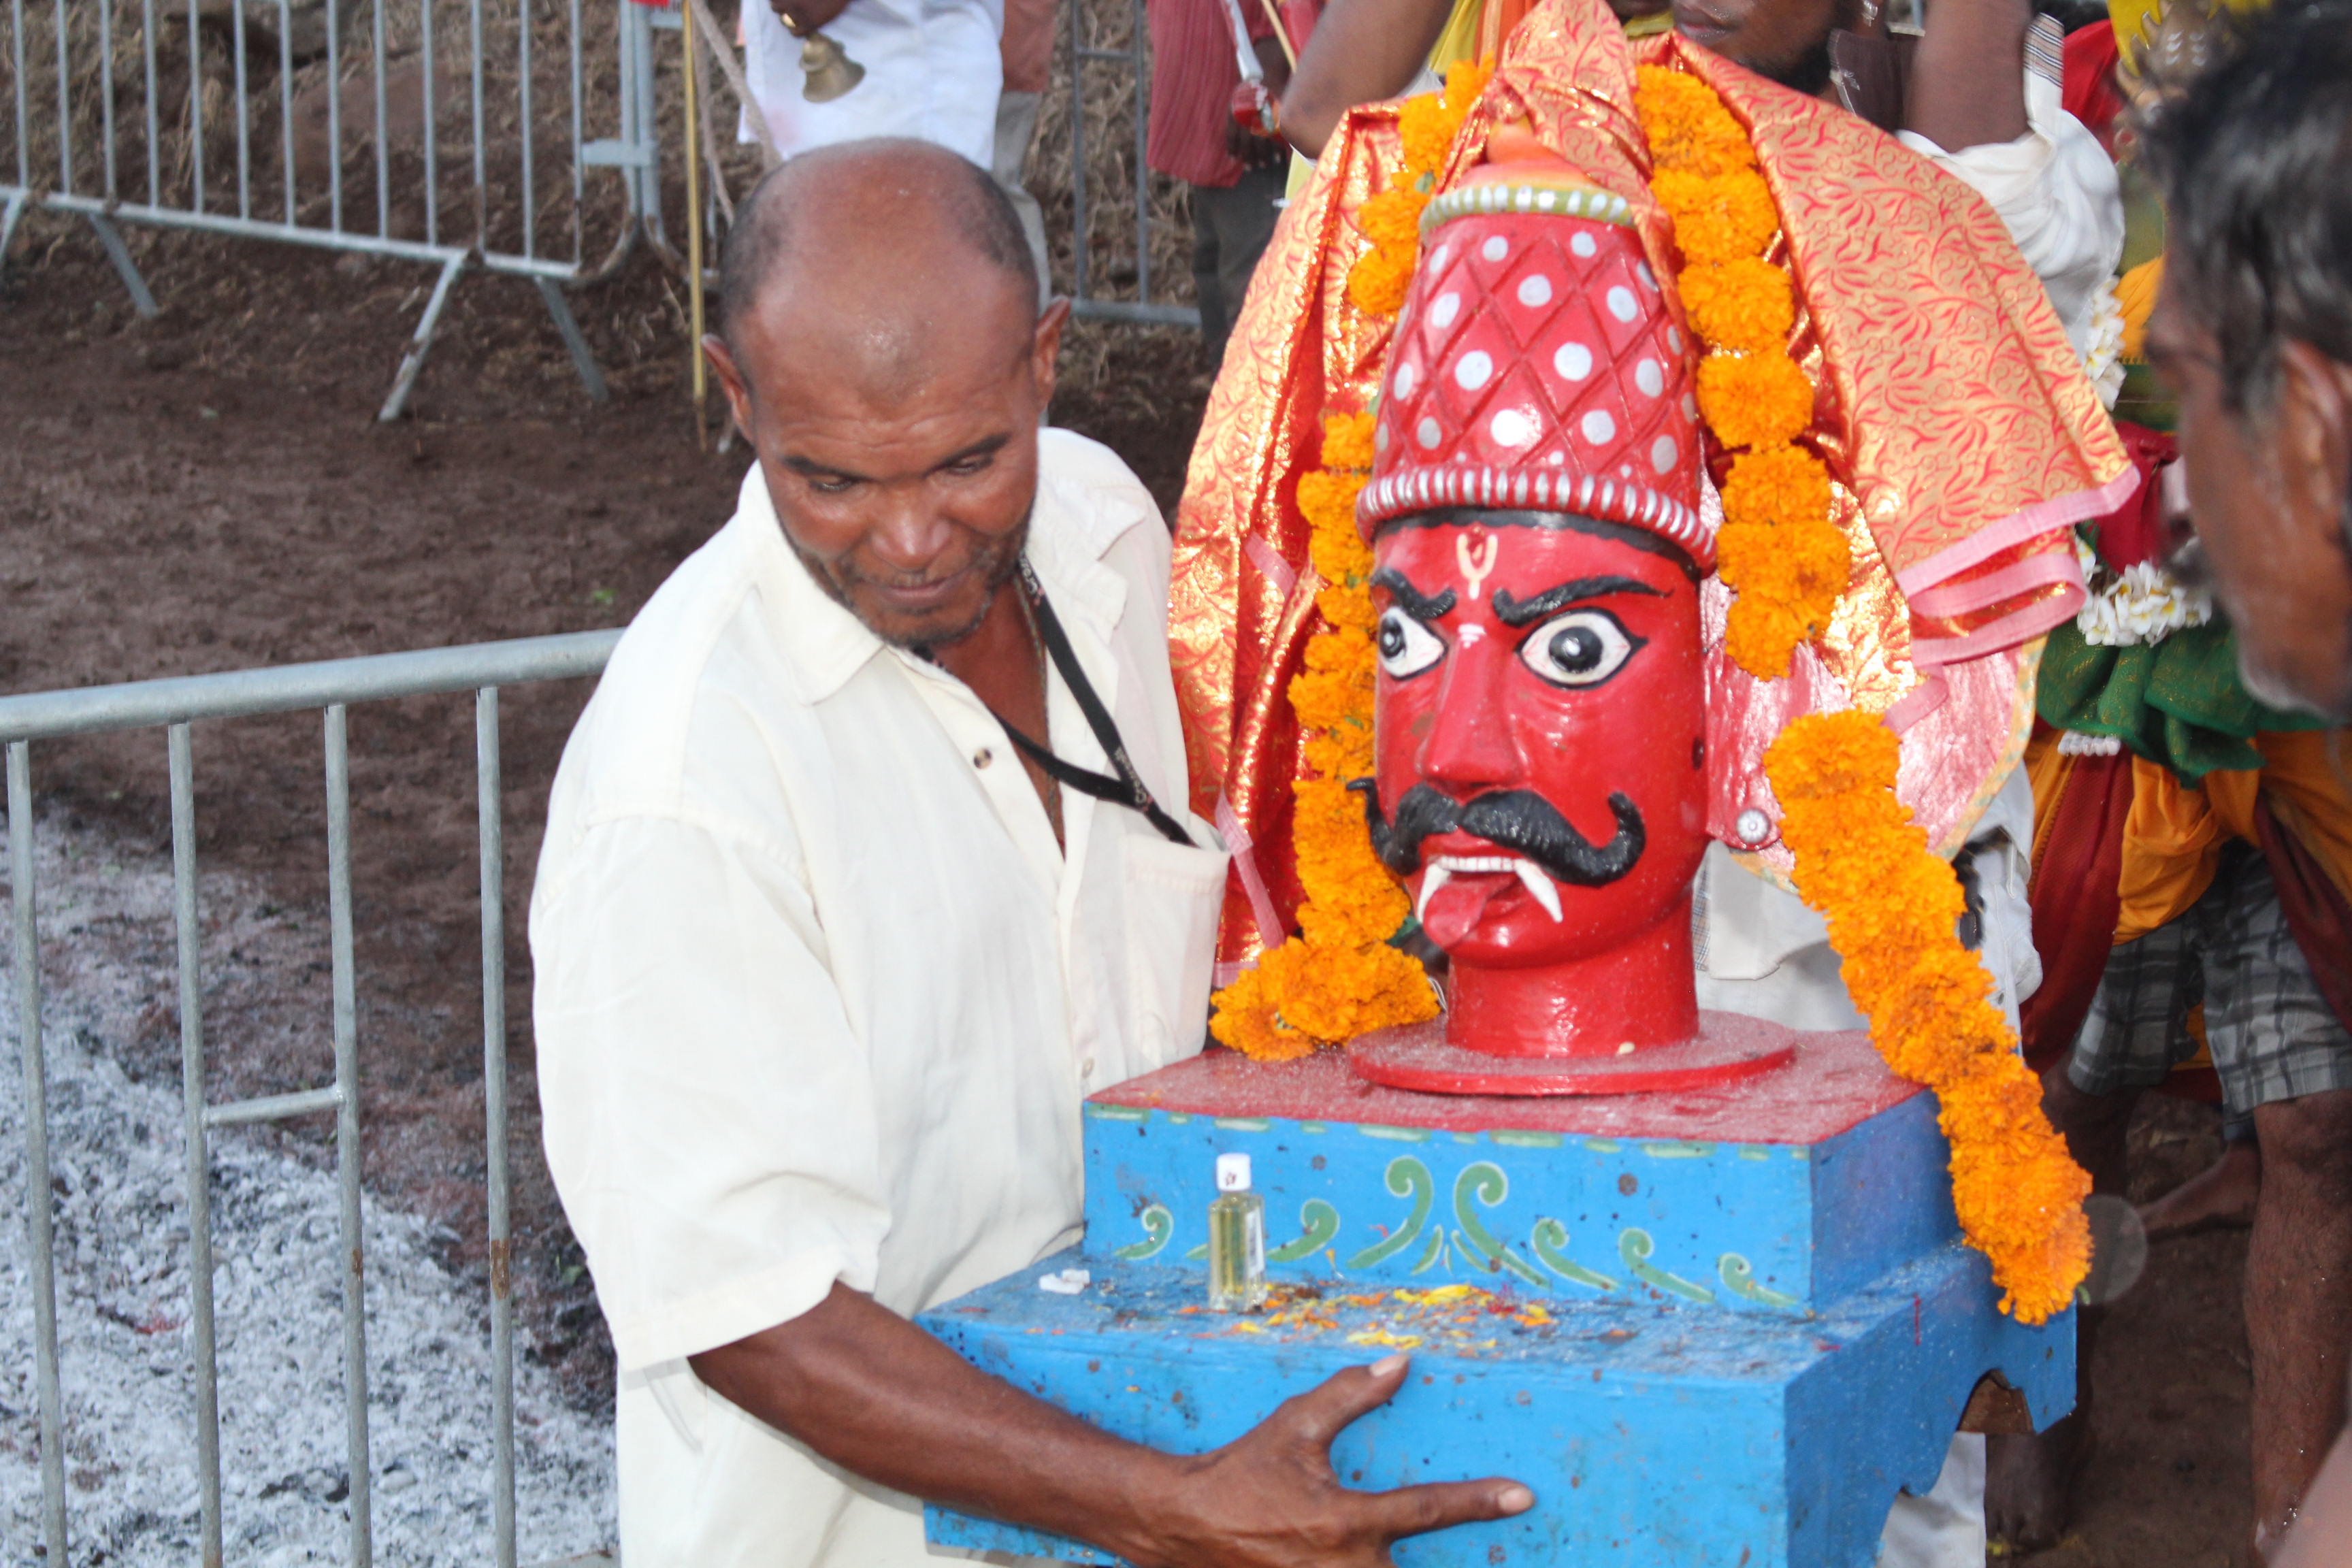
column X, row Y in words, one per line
column 208, row 490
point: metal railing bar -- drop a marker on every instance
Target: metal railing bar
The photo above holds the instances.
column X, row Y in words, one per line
column 334, row 117
column 319, row 238
column 64, row 104
column 481, row 164
column 273, row 1107
column 1138, row 42
column 234, row 694
column 347, row 1125
column 191, row 1086
column 154, row 123
column 579, row 134
column 1078, row 244
column 106, row 88
column 432, row 127
column 382, row 168
column 244, row 116
column 1136, row 314
column 196, row 105
column 37, row 1197
column 488, row 774
column 23, row 112
column 1094, row 54
column 285, row 95
column 522, row 95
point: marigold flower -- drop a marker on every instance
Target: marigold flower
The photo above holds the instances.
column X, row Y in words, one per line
column 1718, row 217
column 1776, row 484
column 1687, row 126
column 1754, row 399
column 1348, row 442
column 1746, row 305
column 1377, row 283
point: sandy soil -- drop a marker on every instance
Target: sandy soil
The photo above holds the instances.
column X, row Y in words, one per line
column 208, row 492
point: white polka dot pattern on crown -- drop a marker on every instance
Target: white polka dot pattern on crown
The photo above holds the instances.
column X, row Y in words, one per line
column 1533, row 365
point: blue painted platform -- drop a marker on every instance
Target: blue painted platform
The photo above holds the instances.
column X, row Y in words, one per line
column 1721, row 1327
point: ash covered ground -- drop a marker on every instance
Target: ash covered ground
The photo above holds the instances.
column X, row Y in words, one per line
column 118, row 1163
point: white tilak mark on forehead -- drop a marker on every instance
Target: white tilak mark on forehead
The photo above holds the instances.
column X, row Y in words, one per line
column 1471, row 633
column 1477, row 563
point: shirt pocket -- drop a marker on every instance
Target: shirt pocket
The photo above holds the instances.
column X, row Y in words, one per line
column 1174, row 894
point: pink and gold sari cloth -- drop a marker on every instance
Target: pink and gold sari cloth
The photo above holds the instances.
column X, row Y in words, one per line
column 1953, row 415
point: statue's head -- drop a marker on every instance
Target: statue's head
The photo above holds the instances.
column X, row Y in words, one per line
column 1540, row 716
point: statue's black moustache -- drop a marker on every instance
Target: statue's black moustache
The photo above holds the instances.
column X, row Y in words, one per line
column 1516, row 820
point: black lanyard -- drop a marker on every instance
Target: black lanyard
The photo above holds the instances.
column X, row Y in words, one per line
column 1128, row 789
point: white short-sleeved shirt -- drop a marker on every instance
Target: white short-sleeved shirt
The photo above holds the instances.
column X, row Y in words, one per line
column 933, row 71
column 818, row 997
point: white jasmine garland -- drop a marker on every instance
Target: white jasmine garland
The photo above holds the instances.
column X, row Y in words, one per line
column 2105, row 362
column 2142, row 604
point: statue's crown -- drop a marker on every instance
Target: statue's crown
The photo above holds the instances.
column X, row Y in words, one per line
column 1536, row 365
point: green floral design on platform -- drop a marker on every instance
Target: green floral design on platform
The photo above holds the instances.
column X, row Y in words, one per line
column 1407, row 1177
column 1322, row 1223
column 1634, row 1245
column 1549, row 1243
column 1158, row 1225
column 1738, row 1276
column 1485, row 1181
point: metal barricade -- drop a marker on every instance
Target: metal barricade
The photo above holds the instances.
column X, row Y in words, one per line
column 173, row 706
column 1095, row 36
column 417, row 131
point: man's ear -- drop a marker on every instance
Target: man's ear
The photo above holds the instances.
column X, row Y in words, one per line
column 1045, row 349
column 2314, row 425
column 739, row 391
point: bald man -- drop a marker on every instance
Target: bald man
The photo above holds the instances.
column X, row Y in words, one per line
column 832, row 937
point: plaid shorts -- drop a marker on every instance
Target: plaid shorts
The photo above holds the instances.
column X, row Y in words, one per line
column 2272, row 1033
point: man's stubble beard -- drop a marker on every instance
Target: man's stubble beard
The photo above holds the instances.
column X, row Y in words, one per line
column 998, row 562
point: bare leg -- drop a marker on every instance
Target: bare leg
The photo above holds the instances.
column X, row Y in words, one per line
column 2223, row 1194
column 2298, row 1297
column 2028, row 1480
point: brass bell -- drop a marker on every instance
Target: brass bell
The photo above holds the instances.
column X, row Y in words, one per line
column 831, row 72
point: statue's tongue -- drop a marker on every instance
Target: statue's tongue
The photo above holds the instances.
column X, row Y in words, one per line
column 1456, row 909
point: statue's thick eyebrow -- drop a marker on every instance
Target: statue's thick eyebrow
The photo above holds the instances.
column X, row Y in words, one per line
column 1520, row 612
column 1420, row 606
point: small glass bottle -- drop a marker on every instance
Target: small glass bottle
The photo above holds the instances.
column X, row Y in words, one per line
column 1236, row 1239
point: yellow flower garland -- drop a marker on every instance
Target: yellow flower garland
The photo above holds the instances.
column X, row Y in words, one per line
column 1777, row 549
column 1340, row 976
column 1892, row 907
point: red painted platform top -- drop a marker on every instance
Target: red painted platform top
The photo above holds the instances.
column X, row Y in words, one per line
column 1836, row 1080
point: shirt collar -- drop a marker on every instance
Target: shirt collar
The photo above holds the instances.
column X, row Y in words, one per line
column 824, row 644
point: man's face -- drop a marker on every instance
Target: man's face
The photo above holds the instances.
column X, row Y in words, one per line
column 1539, row 719
column 2268, row 490
column 1777, row 38
column 904, row 482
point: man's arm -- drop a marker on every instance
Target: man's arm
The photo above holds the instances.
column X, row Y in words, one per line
column 1968, row 81
column 1361, row 51
column 877, row 1395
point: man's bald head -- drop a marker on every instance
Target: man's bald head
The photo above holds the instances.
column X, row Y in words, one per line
column 886, row 210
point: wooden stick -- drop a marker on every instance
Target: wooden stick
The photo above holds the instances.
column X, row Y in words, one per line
column 1281, row 33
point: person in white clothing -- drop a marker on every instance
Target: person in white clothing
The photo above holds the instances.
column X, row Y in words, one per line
column 933, row 72
column 869, row 860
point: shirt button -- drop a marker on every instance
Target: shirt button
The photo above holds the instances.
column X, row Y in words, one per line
column 982, row 757
column 1087, row 1068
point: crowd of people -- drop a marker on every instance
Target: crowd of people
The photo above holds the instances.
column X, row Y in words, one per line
column 880, row 846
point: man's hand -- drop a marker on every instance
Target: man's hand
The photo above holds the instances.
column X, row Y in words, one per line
column 802, row 17
column 1269, row 1500
column 877, row 1395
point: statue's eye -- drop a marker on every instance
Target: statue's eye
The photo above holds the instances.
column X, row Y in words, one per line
column 1407, row 647
column 1579, row 648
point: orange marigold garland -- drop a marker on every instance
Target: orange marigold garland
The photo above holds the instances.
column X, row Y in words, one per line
column 1892, row 907
column 1340, row 976
column 1777, row 549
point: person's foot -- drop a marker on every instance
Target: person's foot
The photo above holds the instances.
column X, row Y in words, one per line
column 2030, row 1484
column 2222, row 1195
